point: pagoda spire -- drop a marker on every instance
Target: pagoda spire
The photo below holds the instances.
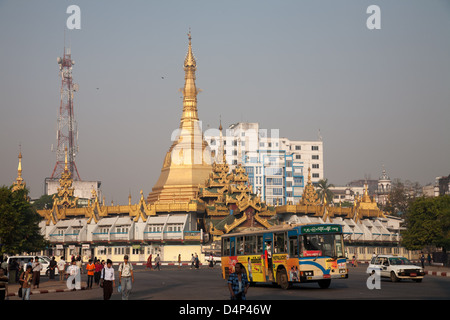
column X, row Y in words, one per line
column 190, row 90
column 19, row 183
column 188, row 162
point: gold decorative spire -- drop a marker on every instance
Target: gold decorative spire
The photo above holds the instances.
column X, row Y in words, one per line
column 65, row 196
column 19, row 184
column 190, row 90
column 310, row 196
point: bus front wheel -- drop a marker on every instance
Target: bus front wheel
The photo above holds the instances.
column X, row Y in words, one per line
column 282, row 279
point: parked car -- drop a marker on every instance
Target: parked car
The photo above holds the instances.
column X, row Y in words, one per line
column 43, row 260
column 395, row 268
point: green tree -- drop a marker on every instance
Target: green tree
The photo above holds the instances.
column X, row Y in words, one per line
column 401, row 196
column 427, row 223
column 44, row 202
column 324, row 190
column 19, row 223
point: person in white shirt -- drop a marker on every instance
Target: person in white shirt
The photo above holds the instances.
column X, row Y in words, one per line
column 74, row 274
column 36, row 267
column 108, row 280
column 61, row 266
column 126, row 277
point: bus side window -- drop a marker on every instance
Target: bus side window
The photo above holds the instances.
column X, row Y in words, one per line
column 240, row 245
column 232, row 248
column 226, row 247
column 280, row 243
column 293, row 246
column 259, row 244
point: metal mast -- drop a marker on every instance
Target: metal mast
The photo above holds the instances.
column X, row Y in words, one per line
column 66, row 131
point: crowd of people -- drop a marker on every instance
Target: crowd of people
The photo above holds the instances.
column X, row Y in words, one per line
column 99, row 273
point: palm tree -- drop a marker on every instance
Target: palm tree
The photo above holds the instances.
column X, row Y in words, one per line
column 324, row 190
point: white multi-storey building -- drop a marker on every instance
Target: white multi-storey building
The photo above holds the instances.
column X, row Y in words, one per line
column 277, row 167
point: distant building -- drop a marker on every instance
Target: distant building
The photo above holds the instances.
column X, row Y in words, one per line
column 275, row 166
column 442, row 186
column 82, row 189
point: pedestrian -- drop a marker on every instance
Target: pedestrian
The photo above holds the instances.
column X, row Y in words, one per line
column 90, row 269
column 238, row 283
column 179, row 260
column 26, row 279
column 79, row 263
column 61, row 267
column 196, row 261
column 192, row 260
column 36, row 267
column 149, row 262
column 3, row 285
column 429, row 259
column 51, row 269
column 5, row 266
column 107, row 280
column 12, row 271
column 98, row 270
column 422, row 260
column 158, row 262
column 211, row 260
column 126, row 277
column 75, row 273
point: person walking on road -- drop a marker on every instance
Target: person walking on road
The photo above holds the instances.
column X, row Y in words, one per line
column 3, row 284
column 126, row 277
column 52, row 268
column 197, row 262
column 149, row 262
column 36, row 267
column 192, row 261
column 98, row 270
column 108, row 280
column 238, row 283
column 61, row 267
column 90, row 269
column 158, row 262
column 26, row 279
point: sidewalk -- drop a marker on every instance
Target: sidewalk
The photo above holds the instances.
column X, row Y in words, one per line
column 46, row 286
column 437, row 271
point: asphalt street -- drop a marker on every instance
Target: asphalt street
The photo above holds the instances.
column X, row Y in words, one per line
column 173, row 283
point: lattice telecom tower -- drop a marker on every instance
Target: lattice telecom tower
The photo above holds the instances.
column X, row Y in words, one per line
column 66, row 131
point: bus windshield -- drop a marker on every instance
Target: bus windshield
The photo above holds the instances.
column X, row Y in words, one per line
column 322, row 245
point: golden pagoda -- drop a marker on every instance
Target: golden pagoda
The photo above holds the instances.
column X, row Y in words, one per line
column 19, row 184
column 188, row 161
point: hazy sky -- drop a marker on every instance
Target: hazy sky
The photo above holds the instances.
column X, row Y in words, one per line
column 377, row 96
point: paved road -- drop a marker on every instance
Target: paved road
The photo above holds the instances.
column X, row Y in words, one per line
column 172, row 283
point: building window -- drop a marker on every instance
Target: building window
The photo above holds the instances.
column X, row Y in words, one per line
column 315, row 166
column 298, row 157
column 298, row 147
column 315, row 157
column 315, row 148
column 315, row 175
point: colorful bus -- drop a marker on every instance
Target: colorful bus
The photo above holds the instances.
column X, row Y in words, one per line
column 287, row 254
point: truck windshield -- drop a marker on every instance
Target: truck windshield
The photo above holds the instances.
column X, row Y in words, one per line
column 323, row 245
